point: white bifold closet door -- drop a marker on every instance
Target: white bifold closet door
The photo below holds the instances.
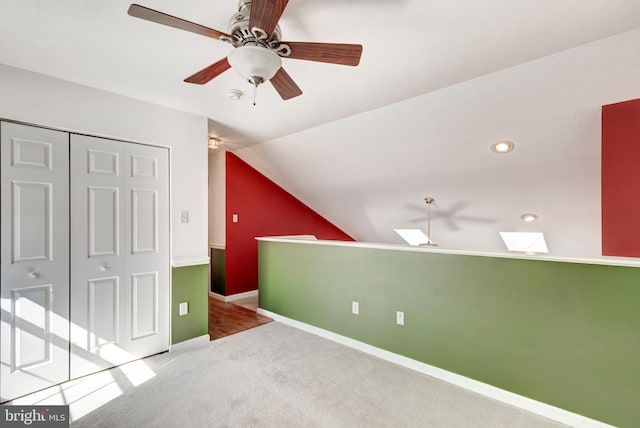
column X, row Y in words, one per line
column 119, row 253
column 34, row 193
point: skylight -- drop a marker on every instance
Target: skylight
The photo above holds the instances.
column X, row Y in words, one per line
column 413, row 237
column 529, row 242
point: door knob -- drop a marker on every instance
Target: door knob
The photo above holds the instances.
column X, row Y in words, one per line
column 104, row 267
column 33, row 274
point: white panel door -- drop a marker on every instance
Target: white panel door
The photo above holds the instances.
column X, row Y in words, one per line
column 119, row 301
column 97, row 254
column 34, row 332
column 147, row 246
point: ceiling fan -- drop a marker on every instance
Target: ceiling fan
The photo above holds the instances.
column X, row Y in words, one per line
column 255, row 35
column 452, row 216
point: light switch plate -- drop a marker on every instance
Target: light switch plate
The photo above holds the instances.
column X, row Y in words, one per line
column 184, row 308
column 234, row 218
column 184, row 216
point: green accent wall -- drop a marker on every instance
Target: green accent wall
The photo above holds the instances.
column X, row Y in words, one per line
column 189, row 284
column 218, row 271
column 566, row 334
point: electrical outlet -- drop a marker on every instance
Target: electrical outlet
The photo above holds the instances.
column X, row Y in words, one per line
column 399, row 318
column 355, row 308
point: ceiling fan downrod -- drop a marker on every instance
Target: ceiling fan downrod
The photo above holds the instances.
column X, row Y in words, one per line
column 429, row 200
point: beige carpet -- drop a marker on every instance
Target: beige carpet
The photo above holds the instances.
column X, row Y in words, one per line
column 277, row 376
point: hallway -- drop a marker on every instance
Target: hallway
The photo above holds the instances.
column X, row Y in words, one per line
column 229, row 318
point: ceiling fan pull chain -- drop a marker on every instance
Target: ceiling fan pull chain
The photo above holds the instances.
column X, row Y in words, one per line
column 255, row 92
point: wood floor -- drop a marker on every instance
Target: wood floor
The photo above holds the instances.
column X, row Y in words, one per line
column 227, row 318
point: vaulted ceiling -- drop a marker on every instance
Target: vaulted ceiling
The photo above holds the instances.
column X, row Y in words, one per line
column 438, row 83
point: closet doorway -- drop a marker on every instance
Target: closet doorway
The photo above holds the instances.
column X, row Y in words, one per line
column 85, row 255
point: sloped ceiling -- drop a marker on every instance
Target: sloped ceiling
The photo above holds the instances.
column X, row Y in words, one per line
column 437, row 84
column 370, row 172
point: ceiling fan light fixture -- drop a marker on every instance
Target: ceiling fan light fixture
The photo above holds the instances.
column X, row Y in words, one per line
column 255, row 64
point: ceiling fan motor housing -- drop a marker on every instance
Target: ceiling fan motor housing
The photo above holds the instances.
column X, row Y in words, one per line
column 242, row 34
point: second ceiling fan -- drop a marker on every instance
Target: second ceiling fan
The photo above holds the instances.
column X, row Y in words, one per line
column 258, row 49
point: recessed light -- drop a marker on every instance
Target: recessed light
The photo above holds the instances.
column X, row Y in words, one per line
column 529, row 217
column 502, row 147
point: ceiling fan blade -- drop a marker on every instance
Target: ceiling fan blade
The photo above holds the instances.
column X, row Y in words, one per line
column 334, row 53
column 209, row 73
column 147, row 14
column 284, row 84
column 265, row 14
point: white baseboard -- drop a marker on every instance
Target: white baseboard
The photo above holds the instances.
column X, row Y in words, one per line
column 533, row 406
column 192, row 261
column 233, row 297
column 217, row 296
column 191, row 343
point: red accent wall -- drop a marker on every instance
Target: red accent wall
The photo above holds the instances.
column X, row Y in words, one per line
column 621, row 179
column 264, row 209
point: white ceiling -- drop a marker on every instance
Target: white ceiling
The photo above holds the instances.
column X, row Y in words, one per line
column 438, row 83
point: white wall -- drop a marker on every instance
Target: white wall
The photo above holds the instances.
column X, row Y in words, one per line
column 42, row 100
column 217, row 194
